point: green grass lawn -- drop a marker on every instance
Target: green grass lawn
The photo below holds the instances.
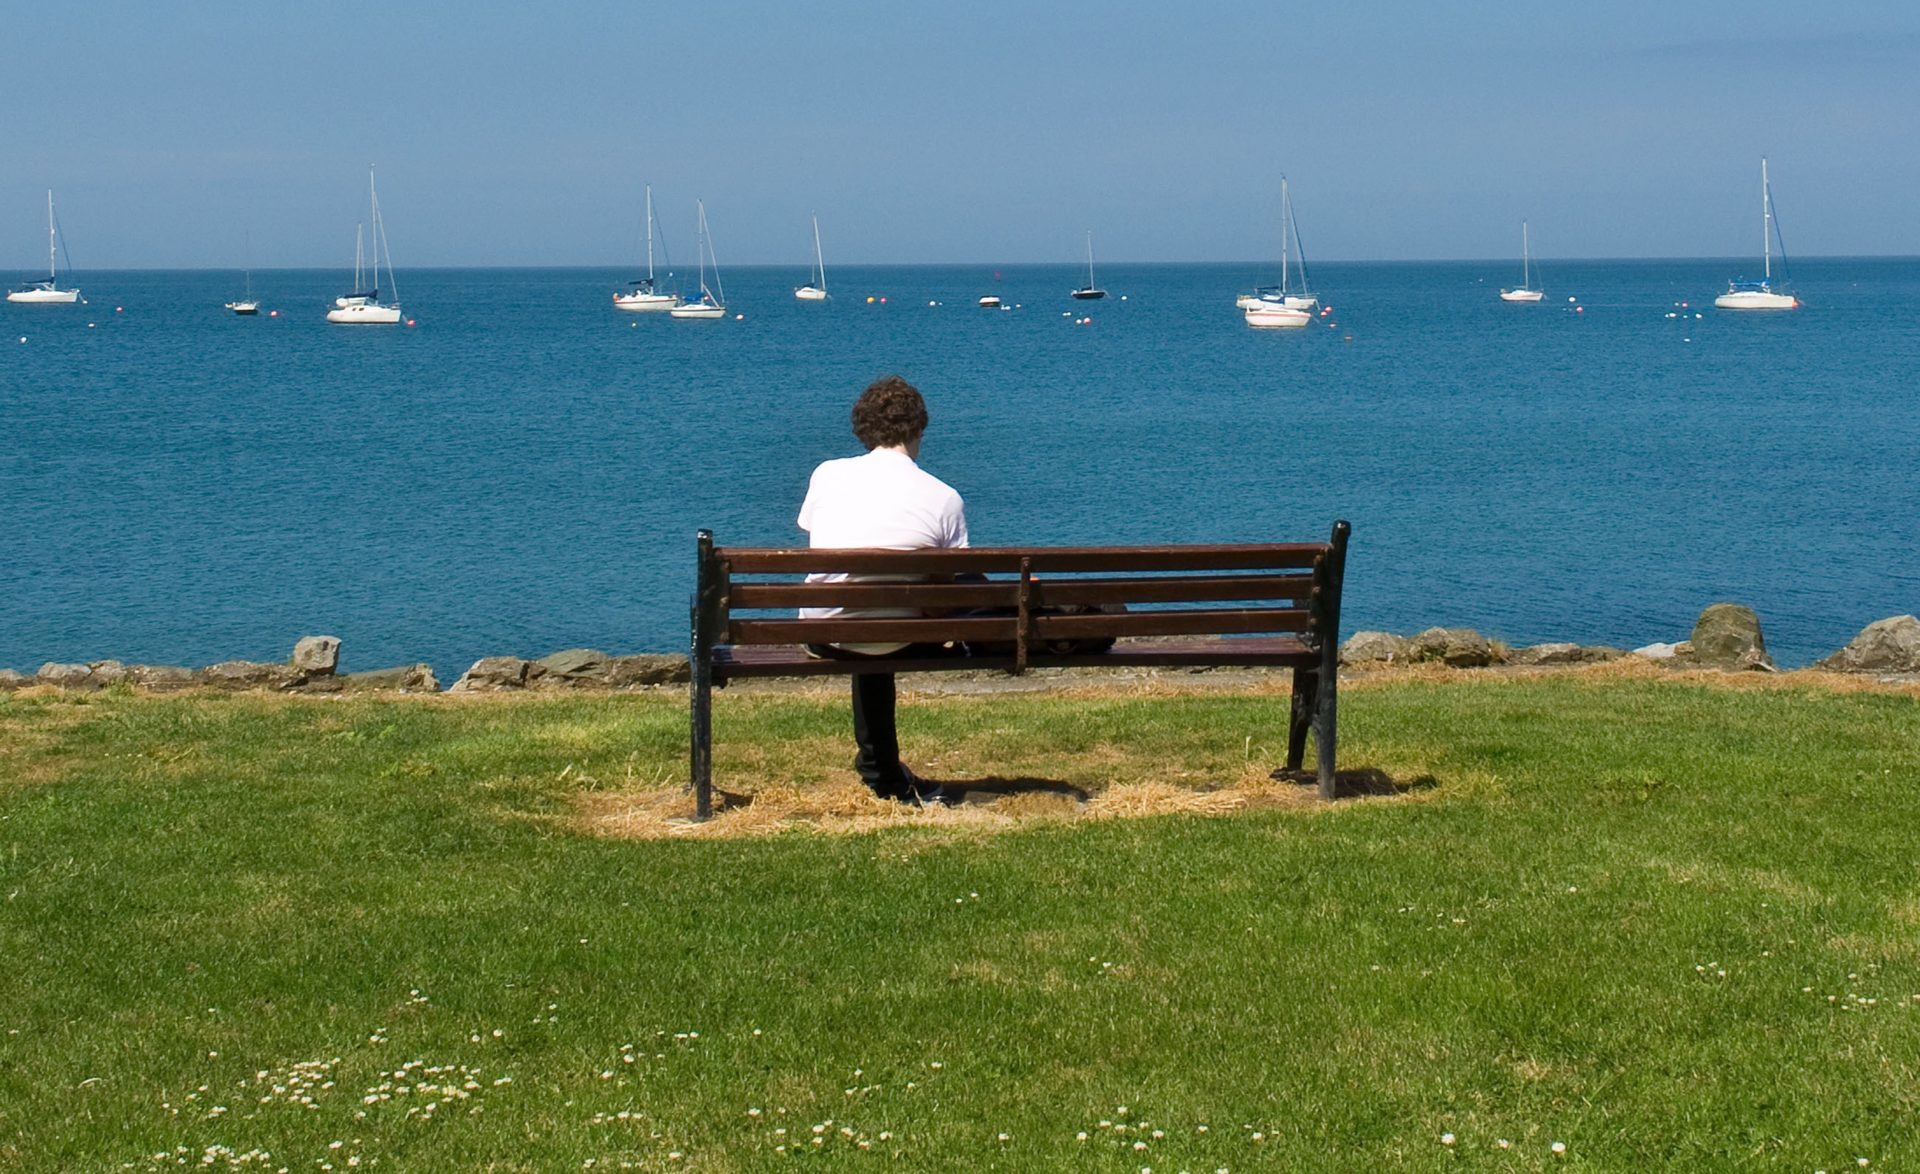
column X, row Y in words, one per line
column 1660, row 922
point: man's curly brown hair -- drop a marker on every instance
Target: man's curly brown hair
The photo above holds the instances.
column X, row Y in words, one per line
column 889, row 413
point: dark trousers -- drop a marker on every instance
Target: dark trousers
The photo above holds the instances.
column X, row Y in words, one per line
column 876, row 740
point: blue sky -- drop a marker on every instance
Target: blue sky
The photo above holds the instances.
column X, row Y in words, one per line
column 987, row 132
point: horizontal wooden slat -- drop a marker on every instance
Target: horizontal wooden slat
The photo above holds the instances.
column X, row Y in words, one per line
column 1003, row 592
column 1204, row 621
column 1269, row 651
column 1170, row 589
column 1006, row 559
column 749, row 596
column 914, row 630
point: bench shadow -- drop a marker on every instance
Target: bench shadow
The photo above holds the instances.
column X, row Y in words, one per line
column 959, row 792
column 1354, row 784
column 992, row 788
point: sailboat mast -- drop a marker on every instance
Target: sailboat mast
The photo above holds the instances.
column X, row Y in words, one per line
column 359, row 253
column 649, row 238
column 51, row 271
column 1286, row 218
column 700, row 232
column 1766, row 222
column 1526, row 275
column 819, row 258
column 1090, row 284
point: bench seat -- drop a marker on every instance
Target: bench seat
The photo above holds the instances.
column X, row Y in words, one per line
column 786, row 660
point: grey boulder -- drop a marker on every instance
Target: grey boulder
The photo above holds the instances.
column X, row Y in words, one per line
column 1891, row 645
column 1562, row 653
column 406, row 678
column 1457, row 647
column 317, row 656
column 1727, row 635
column 1374, row 648
column 248, row 674
column 492, row 674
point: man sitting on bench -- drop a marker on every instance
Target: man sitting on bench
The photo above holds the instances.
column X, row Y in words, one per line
column 885, row 500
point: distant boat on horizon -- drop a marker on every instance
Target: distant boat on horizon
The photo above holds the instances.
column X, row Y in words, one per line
column 1760, row 295
column 1274, row 314
column 712, row 304
column 816, row 288
column 1090, row 291
column 363, row 307
column 47, row 292
column 1282, row 295
column 641, row 295
column 247, row 304
column 1526, row 292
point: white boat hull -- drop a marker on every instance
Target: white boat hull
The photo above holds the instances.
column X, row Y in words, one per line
column 364, row 315
column 1522, row 295
column 1756, row 299
column 1247, row 302
column 810, row 293
column 990, row 303
column 44, row 297
column 1267, row 314
column 244, row 307
column 698, row 311
column 645, row 302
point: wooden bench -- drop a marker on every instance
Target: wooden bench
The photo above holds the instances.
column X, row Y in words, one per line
column 1269, row 604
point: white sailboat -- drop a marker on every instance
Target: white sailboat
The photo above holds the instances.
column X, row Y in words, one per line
column 643, row 295
column 816, row 288
column 363, row 306
column 1290, row 228
column 48, row 292
column 1282, row 295
column 713, row 302
column 1089, row 291
column 1760, row 295
column 248, row 304
column 1526, row 292
column 1275, row 314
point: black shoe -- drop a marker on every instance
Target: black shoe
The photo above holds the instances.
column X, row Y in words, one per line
column 918, row 792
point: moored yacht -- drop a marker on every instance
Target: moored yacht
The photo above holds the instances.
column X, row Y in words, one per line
column 816, row 288
column 363, row 307
column 713, row 302
column 642, row 295
column 1275, row 314
column 1090, row 291
column 46, row 292
column 1760, row 295
column 1526, row 292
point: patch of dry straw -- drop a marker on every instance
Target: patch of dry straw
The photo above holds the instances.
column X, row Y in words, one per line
column 847, row 808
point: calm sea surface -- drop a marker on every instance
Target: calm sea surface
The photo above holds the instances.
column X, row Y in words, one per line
column 524, row 470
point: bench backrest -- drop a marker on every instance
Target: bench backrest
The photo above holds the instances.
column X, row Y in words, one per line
column 746, row 595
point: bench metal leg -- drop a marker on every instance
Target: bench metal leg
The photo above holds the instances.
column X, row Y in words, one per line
column 702, row 741
column 1300, row 716
column 1323, row 739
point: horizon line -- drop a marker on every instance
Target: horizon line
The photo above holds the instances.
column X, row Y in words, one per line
column 783, row 265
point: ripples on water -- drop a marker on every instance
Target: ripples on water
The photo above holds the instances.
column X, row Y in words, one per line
column 525, row 469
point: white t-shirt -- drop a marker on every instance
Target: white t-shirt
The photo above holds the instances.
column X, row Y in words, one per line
column 881, row 500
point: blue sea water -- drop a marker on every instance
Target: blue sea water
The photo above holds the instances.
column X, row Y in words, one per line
column 524, row 469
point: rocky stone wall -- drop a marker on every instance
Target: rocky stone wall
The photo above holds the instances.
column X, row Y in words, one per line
column 1727, row 637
